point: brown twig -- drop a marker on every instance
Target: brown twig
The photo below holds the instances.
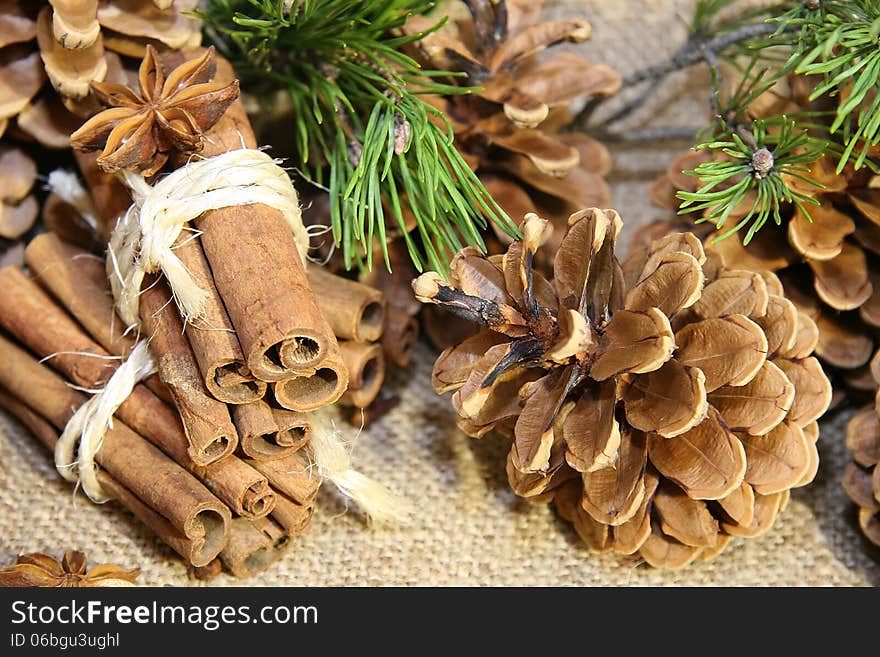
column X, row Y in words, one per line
column 697, row 49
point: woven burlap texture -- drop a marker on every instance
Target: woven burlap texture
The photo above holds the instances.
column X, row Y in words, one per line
column 469, row 528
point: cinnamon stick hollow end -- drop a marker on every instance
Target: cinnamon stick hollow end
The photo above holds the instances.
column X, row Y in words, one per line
column 229, row 381
column 258, row 500
column 266, row 433
column 206, row 535
column 292, row 478
column 299, row 352
column 366, row 367
column 354, row 311
column 314, row 390
column 253, row 546
column 207, row 530
column 244, row 489
column 292, row 516
column 294, row 428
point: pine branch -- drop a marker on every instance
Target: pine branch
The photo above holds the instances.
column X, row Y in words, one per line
column 695, row 51
column 361, row 126
column 839, row 41
column 706, row 42
column 749, row 171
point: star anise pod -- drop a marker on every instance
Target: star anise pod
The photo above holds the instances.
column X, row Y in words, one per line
column 140, row 130
column 38, row 569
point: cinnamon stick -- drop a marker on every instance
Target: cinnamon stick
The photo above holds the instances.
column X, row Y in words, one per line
column 39, row 324
column 253, row 546
column 265, row 433
column 291, row 476
column 79, row 282
column 48, row 436
column 35, row 423
column 258, row 271
column 366, row 368
column 354, row 311
column 35, row 320
column 142, row 469
column 315, row 388
column 213, row 340
column 294, row 428
column 293, row 517
column 207, row 423
column 212, row 337
column 69, row 274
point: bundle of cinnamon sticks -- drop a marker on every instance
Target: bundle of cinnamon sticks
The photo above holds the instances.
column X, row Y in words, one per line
column 209, row 451
column 230, row 505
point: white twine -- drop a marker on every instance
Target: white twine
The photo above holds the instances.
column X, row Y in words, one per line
column 142, row 240
column 91, row 421
column 331, row 457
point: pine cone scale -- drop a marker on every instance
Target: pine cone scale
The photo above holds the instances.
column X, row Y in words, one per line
column 591, row 432
column 669, row 401
column 612, row 495
column 708, row 461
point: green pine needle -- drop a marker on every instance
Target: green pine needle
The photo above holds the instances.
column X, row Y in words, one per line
column 361, row 126
column 728, row 182
column 841, row 42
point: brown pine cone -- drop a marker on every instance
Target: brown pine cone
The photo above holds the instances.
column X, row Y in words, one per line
column 861, row 480
column 510, row 131
column 18, row 206
column 68, row 42
column 829, row 265
column 665, row 406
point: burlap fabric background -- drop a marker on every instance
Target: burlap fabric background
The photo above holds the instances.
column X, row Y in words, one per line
column 469, row 529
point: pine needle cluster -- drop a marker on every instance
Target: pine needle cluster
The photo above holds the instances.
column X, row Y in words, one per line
column 361, row 127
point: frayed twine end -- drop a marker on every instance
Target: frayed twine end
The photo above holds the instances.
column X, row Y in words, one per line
column 331, row 457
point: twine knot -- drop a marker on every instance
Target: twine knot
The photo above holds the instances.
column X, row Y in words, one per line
column 142, row 240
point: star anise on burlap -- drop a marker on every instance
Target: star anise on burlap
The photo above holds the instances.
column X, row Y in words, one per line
column 664, row 406
column 140, row 130
column 38, row 569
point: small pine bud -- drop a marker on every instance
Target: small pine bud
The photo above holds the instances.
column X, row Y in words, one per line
column 427, row 286
column 402, row 133
column 812, row 5
column 762, row 163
